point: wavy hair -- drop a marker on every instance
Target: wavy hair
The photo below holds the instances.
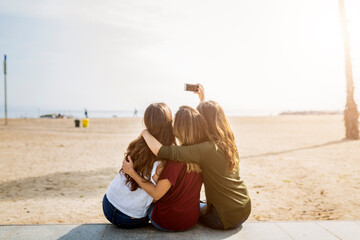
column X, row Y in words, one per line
column 190, row 128
column 220, row 131
column 158, row 120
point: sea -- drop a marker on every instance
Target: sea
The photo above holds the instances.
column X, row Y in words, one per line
column 31, row 112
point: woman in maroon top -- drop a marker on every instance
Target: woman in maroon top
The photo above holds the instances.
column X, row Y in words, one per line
column 178, row 209
column 178, row 188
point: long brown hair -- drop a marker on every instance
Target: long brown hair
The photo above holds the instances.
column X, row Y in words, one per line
column 158, row 120
column 190, row 128
column 220, row 131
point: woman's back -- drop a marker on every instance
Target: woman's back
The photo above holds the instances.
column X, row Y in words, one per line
column 179, row 208
column 123, row 192
column 132, row 203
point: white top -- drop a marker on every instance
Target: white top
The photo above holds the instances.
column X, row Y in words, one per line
column 132, row 203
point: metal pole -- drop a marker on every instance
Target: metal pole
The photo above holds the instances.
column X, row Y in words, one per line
column 5, row 89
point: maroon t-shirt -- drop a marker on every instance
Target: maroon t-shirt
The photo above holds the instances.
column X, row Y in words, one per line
column 179, row 208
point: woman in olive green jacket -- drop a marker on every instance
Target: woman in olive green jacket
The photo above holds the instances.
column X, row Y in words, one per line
column 228, row 203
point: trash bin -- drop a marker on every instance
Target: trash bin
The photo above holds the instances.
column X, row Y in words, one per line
column 77, row 123
column 85, row 122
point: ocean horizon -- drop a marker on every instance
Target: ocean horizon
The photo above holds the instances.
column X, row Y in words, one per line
column 33, row 112
column 112, row 113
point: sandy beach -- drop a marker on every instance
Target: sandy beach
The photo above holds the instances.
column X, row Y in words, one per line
column 295, row 167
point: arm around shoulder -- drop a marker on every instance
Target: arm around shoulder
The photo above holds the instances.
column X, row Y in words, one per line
column 191, row 154
column 155, row 191
column 151, row 141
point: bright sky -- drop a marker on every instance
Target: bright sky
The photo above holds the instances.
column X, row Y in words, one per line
column 272, row 55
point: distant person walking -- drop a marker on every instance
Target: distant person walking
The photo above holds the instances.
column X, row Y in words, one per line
column 135, row 112
column 86, row 113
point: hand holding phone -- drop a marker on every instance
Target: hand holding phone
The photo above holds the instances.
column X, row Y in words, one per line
column 197, row 89
column 201, row 92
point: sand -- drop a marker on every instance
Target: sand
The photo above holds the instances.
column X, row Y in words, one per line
column 295, row 167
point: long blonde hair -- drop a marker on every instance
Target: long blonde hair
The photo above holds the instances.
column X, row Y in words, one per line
column 190, row 128
column 220, row 131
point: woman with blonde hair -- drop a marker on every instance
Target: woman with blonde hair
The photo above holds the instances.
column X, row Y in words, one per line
column 228, row 203
column 179, row 185
column 125, row 203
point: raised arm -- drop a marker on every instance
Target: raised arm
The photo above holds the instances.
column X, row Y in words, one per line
column 155, row 191
column 200, row 92
column 151, row 141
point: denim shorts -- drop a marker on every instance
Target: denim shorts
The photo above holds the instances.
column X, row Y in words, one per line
column 120, row 219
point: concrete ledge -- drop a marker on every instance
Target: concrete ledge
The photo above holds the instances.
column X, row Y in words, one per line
column 250, row 230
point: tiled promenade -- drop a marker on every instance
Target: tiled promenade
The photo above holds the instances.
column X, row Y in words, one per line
column 250, row 230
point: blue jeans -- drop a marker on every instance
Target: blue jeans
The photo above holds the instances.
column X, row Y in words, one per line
column 212, row 219
column 152, row 222
column 120, row 219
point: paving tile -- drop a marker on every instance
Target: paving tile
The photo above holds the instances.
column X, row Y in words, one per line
column 203, row 232
column 156, row 234
column 112, row 233
column 83, row 231
column 306, row 230
column 38, row 232
column 63, row 232
column 346, row 230
column 7, row 230
column 172, row 235
column 263, row 230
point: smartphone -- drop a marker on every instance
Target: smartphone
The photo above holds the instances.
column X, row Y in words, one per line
column 191, row 87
